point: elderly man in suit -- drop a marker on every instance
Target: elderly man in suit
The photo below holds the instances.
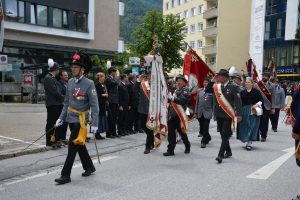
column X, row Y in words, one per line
column 204, row 110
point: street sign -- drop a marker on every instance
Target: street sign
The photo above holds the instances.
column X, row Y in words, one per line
column 134, row 61
column 3, row 59
column 28, row 78
column 5, row 67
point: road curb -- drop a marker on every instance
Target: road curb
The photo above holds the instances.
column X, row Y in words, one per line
column 22, row 153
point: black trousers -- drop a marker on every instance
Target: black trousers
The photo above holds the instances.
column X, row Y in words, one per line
column 149, row 133
column 132, row 120
column 53, row 113
column 112, row 119
column 204, row 129
column 84, row 156
column 226, row 132
column 296, row 145
column 274, row 118
column 173, row 125
column 264, row 123
column 122, row 120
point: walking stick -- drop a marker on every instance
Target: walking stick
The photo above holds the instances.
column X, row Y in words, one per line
column 40, row 137
column 98, row 156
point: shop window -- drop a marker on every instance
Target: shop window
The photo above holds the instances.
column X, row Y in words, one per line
column 21, row 11
column 11, row 10
column 32, row 14
column 42, row 15
column 57, row 17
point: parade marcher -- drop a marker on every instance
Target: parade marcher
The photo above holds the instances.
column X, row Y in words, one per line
column 295, row 111
column 177, row 121
column 103, row 104
column 227, row 111
column 81, row 96
column 133, row 91
column 204, row 110
column 113, row 98
column 61, row 132
column 278, row 104
column 123, row 106
column 54, row 101
column 267, row 106
column 252, row 110
column 143, row 109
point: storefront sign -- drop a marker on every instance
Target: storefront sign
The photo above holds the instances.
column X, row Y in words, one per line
column 286, row 71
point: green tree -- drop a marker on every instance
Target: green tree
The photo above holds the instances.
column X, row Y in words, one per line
column 169, row 29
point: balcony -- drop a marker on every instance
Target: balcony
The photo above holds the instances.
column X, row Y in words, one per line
column 210, row 49
column 210, row 31
column 210, row 13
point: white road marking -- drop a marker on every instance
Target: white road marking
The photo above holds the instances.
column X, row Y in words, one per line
column 57, row 170
column 17, row 140
column 265, row 172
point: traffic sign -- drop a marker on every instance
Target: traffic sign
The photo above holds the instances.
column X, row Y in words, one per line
column 28, row 78
column 3, row 59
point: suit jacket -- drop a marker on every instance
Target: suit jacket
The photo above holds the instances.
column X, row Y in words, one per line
column 133, row 90
column 53, row 92
column 123, row 95
column 143, row 106
column 112, row 90
column 102, row 101
column 204, row 104
column 231, row 93
column 181, row 97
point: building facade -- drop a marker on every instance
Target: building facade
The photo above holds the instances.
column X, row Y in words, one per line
column 38, row 29
column 280, row 44
column 217, row 30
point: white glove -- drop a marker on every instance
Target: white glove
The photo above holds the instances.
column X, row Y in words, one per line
column 259, row 104
column 94, row 129
column 58, row 123
column 170, row 96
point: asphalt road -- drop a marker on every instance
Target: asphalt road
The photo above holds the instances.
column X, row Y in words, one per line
column 268, row 172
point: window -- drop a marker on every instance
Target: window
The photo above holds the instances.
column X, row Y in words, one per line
column 193, row 12
column 57, row 18
column 185, row 14
column 283, row 56
column 279, row 28
column 185, row 30
column 21, row 11
column 65, row 19
column 178, row 2
column 167, row 6
column 172, row 3
column 296, row 54
column 267, row 30
column 80, row 22
column 32, row 14
column 199, row 44
column 185, row 1
column 200, row 26
column 42, row 15
column 200, row 10
column 11, row 10
column 192, row 44
column 192, row 27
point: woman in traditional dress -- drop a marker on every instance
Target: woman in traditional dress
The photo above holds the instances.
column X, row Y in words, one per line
column 252, row 109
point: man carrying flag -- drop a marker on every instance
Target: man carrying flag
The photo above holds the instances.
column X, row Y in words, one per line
column 177, row 119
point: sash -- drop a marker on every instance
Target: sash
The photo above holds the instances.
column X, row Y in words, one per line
column 264, row 91
column 225, row 105
column 80, row 140
column 182, row 116
column 145, row 86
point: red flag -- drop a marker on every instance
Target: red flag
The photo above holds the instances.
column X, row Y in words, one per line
column 196, row 70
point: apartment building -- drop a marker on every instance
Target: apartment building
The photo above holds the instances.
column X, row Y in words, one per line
column 38, row 29
column 218, row 30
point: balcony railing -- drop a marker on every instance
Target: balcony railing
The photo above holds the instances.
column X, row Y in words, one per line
column 210, row 31
column 210, row 49
column 210, row 13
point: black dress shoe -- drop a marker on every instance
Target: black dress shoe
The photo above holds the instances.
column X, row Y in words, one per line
column 110, row 136
column 200, row 135
column 203, row 145
column 99, row 137
column 117, row 136
column 88, row 172
column 147, row 151
column 187, row 150
column 227, row 155
column 275, row 130
column 168, row 153
column 263, row 139
column 63, row 180
column 219, row 159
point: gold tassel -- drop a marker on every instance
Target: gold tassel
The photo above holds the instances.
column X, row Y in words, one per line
column 52, row 139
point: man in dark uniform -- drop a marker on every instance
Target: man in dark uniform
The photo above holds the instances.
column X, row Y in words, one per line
column 54, row 99
column 81, row 96
column 113, row 100
column 123, row 106
column 133, row 90
column 222, row 111
column 181, row 97
column 143, row 109
column 295, row 109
